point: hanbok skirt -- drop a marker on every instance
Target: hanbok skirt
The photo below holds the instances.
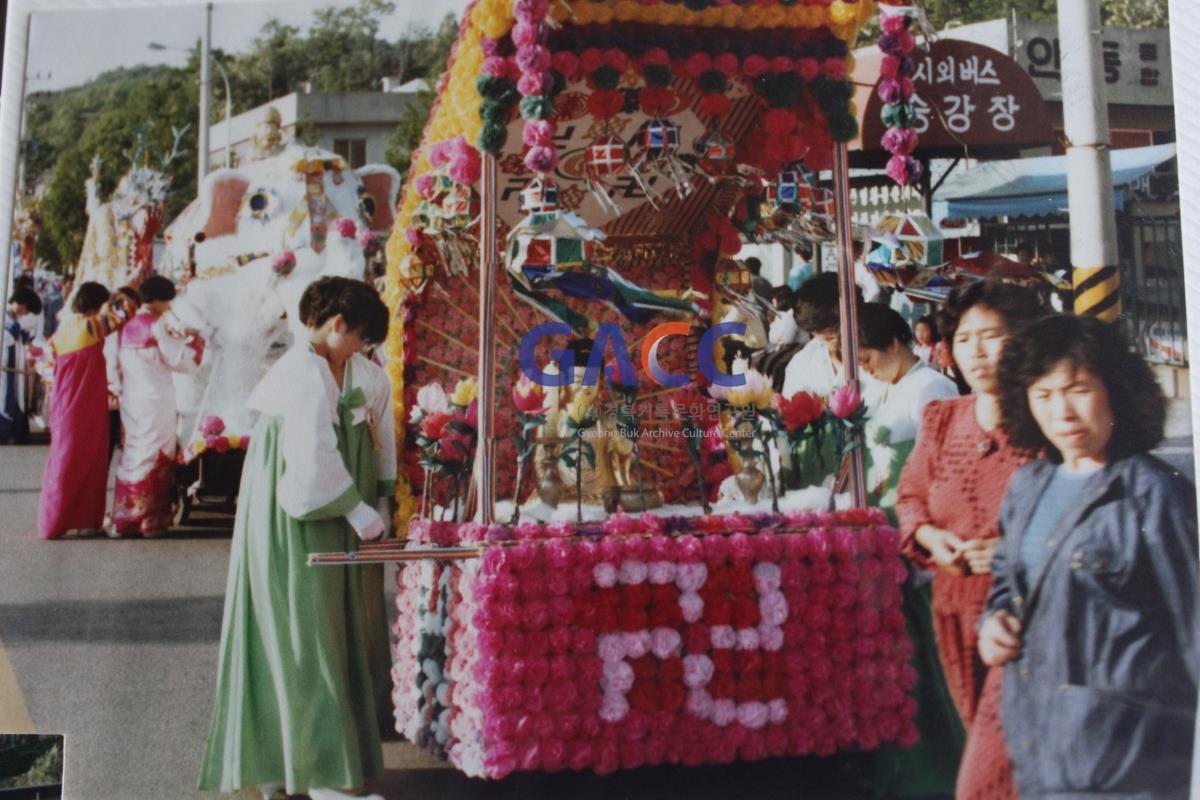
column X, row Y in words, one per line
column 295, row 700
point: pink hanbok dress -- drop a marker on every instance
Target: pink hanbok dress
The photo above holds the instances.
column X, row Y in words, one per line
column 76, row 476
column 147, row 355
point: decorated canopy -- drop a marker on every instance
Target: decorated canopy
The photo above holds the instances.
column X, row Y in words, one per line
column 670, row 128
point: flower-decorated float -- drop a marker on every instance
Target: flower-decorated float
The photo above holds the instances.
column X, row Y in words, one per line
column 607, row 566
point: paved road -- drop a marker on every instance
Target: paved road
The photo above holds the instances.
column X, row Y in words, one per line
column 114, row 645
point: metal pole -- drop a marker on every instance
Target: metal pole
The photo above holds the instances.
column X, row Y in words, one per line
column 205, row 47
column 19, row 157
column 485, row 451
column 849, row 308
column 1094, row 253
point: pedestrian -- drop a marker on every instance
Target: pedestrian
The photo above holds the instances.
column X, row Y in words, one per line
column 296, row 700
column 951, row 486
column 802, row 268
column 817, row 368
column 928, row 767
column 76, row 477
column 149, row 351
column 926, row 338
column 1093, row 609
column 907, row 385
column 14, row 420
column 782, row 336
column 760, row 286
column 133, row 301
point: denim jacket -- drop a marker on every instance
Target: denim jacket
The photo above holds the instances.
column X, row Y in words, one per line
column 1101, row 701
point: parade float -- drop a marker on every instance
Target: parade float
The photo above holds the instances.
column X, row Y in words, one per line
column 244, row 250
column 605, row 562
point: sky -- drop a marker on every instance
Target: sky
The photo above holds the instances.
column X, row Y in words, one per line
column 68, row 48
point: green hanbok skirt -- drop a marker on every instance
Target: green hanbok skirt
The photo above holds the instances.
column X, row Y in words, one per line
column 301, row 666
column 929, row 767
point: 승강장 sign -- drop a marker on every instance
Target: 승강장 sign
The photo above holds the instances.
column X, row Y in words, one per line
column 969, row 94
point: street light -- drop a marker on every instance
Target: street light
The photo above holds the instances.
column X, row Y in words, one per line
column 228, row 97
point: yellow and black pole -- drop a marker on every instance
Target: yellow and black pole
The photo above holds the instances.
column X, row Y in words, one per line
column 1094, row 255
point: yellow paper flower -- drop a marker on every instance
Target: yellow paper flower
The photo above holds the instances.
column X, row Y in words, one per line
column 464, row 392
column 756, row 391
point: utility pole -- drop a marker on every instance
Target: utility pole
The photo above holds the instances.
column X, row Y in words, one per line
column 205, row 85
column 1094, row 255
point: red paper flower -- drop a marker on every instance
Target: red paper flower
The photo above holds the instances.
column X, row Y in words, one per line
column 799, row 410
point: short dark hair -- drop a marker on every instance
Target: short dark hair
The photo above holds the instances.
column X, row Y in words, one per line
column 130, row 293
column 157, row 287
column 816, row 303
column 1017, row 304
column 782, row 297
column 929, row 320
column 880, row 325
column 357, row 302
column 24, row 296
column 754, row 265
column 1138, row 406
column 89, row 298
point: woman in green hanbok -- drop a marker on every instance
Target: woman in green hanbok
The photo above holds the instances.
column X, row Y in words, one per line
column 908, row 384
column 301, row 668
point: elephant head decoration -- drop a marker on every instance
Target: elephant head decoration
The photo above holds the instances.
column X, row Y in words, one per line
column 247, row 248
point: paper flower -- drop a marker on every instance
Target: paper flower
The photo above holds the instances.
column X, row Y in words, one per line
column 283, row 264
column 212, row 426
column 845, row 401
column 799, row 410
column 528, row 397
column 432, row 398
column 464, row 392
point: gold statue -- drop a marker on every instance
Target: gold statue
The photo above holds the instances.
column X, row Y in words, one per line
column 268, row 135
column 612, row 481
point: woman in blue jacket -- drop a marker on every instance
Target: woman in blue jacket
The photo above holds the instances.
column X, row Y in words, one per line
column 1093, row 607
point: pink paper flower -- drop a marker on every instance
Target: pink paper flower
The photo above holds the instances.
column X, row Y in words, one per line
column 345, row 227
column 844, row 401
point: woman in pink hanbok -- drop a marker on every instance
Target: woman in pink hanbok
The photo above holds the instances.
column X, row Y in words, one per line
column 149, row 350
column 73, row 486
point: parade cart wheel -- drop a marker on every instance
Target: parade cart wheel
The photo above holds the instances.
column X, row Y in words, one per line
column 183, row 506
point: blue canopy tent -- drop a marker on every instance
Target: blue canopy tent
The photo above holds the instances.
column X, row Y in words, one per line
column 1029, row 187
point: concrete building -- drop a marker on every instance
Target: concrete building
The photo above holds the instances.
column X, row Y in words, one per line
column 355, row 125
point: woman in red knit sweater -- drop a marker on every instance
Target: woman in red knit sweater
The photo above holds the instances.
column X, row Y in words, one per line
column 949, row 498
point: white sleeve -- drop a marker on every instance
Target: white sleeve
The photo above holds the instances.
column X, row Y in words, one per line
column 383, row 414
column 315, row 482
column 112, row 363
column 173, row 350
column 933, row 390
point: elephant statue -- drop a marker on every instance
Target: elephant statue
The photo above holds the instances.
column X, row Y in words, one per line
column 246, row 249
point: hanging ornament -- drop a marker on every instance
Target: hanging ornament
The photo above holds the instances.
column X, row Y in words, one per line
column 540, row 196
column 604, row 159
column 716, row 155
column 660, row 155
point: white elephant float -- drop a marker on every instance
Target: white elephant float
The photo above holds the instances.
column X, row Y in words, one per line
column 250, row 244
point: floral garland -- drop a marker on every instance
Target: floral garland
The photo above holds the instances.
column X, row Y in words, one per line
column 657, row 640
column 896, row 92
column 535, row 85
column 841, row 18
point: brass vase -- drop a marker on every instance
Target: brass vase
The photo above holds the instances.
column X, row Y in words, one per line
column 750, row 479
column 550, row 486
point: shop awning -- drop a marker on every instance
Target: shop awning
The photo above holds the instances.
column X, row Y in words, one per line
column 1031, row 187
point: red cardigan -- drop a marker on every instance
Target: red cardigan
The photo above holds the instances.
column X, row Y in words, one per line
column 955, row 479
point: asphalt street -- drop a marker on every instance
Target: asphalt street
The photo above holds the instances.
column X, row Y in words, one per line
column 114, row 645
